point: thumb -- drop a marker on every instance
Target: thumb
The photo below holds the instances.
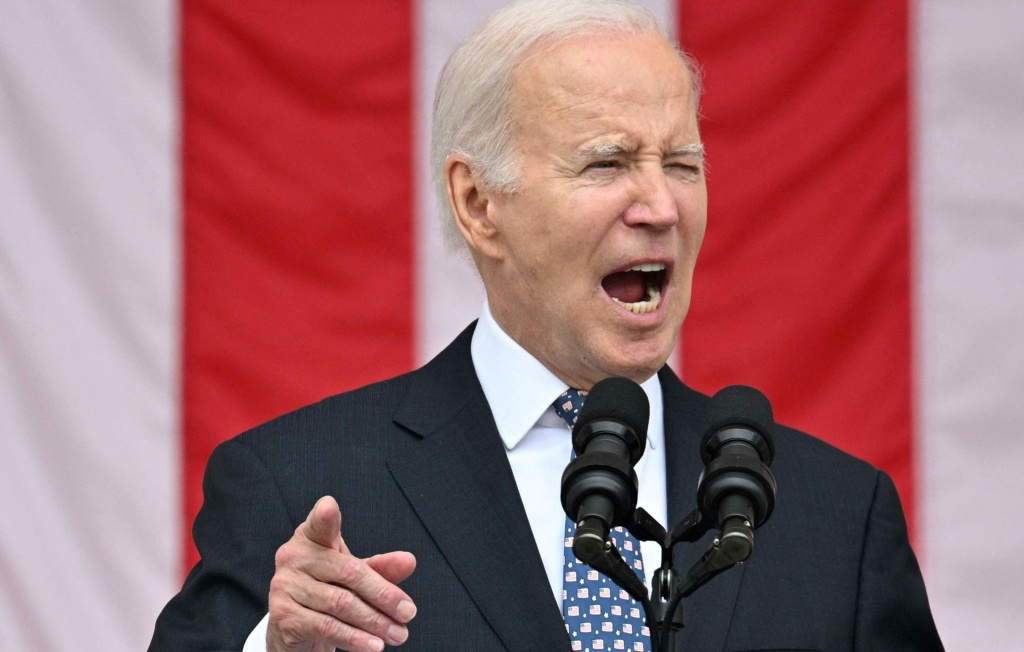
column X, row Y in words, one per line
column 323, row 525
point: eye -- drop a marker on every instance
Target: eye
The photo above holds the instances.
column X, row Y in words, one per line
column 603, row 169
column 685, row 168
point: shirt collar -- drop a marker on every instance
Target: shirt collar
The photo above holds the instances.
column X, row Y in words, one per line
column 520, row 390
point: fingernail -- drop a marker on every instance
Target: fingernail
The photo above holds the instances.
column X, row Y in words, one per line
column 397, row 634
column 376, row 644
column 406, row 610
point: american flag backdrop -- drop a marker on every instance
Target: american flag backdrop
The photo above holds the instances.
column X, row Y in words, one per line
column 212, row 212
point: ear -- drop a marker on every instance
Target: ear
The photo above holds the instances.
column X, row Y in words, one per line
column 471, row 205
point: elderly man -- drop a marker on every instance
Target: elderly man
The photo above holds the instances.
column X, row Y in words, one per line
column 569, row 162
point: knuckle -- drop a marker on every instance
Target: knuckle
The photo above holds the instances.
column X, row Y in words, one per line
column 342, row 601
column 285, row 555
column 279, row 585
column 282, row 615
column 351, row 570
column 277, row 613
column 378, row 623
column 331, row 630
column 382, row 595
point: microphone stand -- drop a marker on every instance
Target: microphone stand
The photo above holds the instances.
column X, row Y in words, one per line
column 663, row 611
column 731, row 547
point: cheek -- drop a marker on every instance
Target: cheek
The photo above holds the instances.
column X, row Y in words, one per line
column 693, row 219
column 695, row 229
column 551, row 239
column 533, row 262
column 522, row 232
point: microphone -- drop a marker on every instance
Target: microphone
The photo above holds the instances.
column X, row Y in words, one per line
column 736, row 489
column 599, row 487
column 735, row 493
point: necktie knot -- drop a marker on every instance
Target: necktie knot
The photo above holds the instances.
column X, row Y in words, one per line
column 568, row 405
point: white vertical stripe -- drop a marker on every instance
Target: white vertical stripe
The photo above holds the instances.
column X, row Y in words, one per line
column 449, row 293
column 970, row 224
column 88, row 322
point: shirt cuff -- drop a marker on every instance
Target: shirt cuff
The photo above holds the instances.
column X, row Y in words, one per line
column 257, row 641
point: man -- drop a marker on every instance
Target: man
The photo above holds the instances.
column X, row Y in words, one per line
column 568, row 160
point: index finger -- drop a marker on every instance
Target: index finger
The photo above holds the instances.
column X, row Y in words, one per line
column 323, row 525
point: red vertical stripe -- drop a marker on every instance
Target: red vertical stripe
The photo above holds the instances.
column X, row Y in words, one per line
column 297, row 177
column 803, row 286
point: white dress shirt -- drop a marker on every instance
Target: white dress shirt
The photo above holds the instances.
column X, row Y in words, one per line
column 521, row 391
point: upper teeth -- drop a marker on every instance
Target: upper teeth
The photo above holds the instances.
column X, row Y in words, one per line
column 647, row 267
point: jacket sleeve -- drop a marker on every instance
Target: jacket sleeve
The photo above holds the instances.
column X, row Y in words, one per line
column 892, row 605
column 237, row 532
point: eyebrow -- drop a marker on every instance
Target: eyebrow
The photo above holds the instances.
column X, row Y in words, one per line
column 693, row 149
column 600, row 150
column 608, row 149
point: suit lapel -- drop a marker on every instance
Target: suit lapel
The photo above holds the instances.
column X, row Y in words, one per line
column 709, row 610
column 455, row 473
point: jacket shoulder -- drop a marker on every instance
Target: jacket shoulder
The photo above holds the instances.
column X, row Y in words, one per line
column 366, row 409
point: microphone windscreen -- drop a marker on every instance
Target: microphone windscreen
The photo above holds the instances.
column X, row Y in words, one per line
column 739, row 405
column 616, row 398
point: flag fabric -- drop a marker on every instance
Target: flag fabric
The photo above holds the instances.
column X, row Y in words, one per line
column 213, row 212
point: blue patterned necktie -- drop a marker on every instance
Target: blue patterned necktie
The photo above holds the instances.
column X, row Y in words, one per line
column 598, row 614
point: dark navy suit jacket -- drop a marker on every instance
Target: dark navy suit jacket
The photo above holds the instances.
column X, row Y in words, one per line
column 416, row 464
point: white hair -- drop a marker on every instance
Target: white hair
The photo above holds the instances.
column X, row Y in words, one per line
column 471, row 104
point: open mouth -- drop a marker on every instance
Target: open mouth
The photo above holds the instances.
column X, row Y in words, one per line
column 637, row 289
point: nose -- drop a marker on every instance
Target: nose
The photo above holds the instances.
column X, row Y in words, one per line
column 653, row 202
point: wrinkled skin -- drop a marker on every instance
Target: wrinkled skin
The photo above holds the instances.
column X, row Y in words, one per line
column 612, row 175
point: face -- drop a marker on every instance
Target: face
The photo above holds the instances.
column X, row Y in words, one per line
column 588, row 264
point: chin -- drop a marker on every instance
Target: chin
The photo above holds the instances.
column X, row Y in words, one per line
column 638, row 363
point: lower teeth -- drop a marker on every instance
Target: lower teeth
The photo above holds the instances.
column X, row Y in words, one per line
column 643, row 307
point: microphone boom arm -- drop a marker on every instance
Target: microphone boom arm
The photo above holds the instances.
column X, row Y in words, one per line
column 733, row 546
column 593, row 547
